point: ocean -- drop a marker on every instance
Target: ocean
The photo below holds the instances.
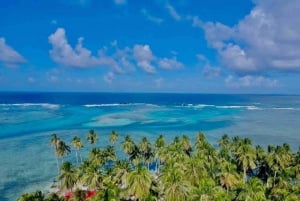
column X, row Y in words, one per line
column 27, row 120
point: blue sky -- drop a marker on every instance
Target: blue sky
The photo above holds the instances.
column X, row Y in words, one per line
column 196, row 46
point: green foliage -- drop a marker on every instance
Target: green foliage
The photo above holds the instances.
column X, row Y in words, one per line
column 183, row 170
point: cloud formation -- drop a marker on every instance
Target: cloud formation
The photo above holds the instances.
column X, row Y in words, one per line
column 64, row 54
column 8, row 55
column 150, row 17
column 266, row 39
column 250, row 81
column 120, row 61
column 170, row 64
column 144, row 57
column 174, row 14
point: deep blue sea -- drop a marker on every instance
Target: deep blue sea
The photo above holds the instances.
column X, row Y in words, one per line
column 28, row 119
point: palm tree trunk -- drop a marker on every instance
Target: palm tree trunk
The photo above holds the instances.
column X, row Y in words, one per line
column 245, row 174
column 274, row 178
column 57, row 164
column 80, row 157
column 76, row 156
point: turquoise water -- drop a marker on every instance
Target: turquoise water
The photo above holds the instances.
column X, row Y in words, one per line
column 28, row 119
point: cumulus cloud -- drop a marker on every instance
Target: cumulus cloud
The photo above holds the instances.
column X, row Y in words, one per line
column 8, row 55
column 174, row 14
column 250, row 81
column 170, row 64
column 63, row 53
column 268, row 38
column 109, row 77
column 144, row 57
column 120, row 61
column 211, row 72
column 150, row 17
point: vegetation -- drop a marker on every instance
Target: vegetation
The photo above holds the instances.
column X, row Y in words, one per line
column 234, row 170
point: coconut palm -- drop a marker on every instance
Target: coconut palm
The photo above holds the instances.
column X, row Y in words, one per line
column 54, row 142
column 92, row 137
column 174, row 183
column 113, row 137
column 228, row 176
column 78, row 195
column 77, row 144
column 110, row 192
column 67, row 176
column 186, row 145
column 245, row 155
column 139, row 183
column 204, row 190
column 159, row 145
column 92, row 177
column 62, row 149
column 120, row 171
column 254, row 190
column 145, row 150
column 35, row 196
column 130, row 148
column 278, row 159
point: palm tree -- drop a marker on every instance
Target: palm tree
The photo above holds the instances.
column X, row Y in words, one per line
column 204, row 190
column 130, row 148
column 145, row 149
column 77, row 144
column 228, row 176
column 92, row 177
column 62, row 149
column 174, row 183
column 92, row 137
column 245, row 155
column 110, row 192
column 139, row 182
column 36, row 196
column 159, row 145
column 67, row 176
column 54, row 142
column 109, row 153
column 186, row 144
column 113, row 137
column 278, row 159
column 254, row 190
column 79, row 195
column 120, row 171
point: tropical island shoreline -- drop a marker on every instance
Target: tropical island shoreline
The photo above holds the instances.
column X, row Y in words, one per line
column 178, row 170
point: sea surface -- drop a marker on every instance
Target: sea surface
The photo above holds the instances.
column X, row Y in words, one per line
column 27, row 120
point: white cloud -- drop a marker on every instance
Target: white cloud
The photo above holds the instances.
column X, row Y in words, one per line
column 170, row 64
column 63, row 53
column 109, row 77
column 150, row 17
column 120, row 2
column 211, row 72
column 120, row 60
column 266, row 39
column 8, row 55
column 250, row 81
column 174, row 14
column 144, row 57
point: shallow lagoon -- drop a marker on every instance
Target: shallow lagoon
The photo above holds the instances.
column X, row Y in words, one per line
column 28, row 119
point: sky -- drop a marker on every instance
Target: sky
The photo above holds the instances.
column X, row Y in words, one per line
column 195, row 46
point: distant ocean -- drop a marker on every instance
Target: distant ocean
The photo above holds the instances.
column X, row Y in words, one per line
column 28, row 119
